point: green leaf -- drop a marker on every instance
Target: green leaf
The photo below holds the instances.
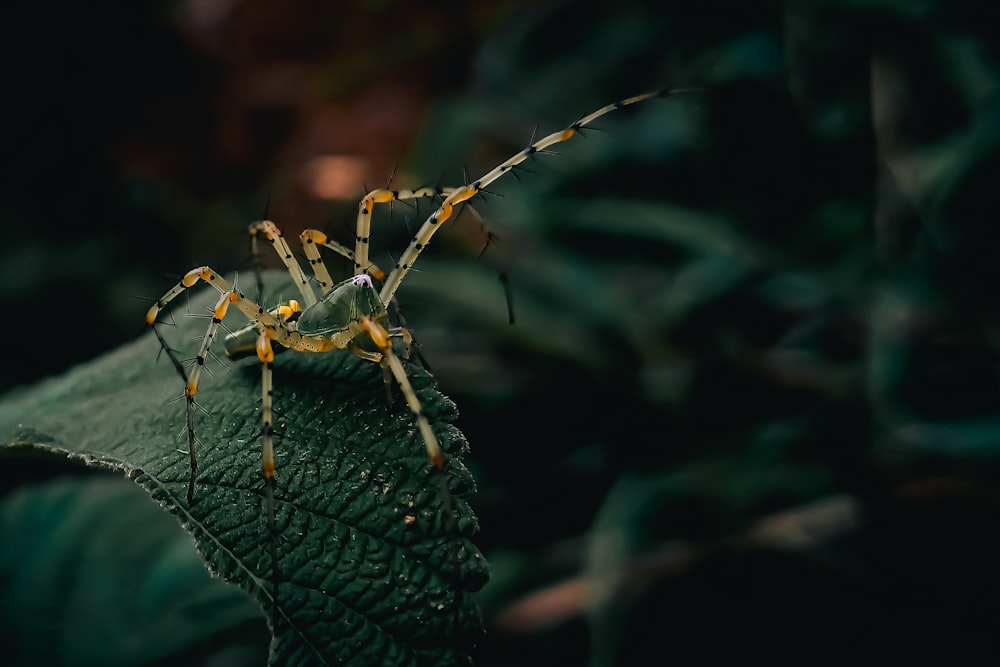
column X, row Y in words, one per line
column 364, row 548
column 129, row 591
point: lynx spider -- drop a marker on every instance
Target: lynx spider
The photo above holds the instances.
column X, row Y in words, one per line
column 347, row 315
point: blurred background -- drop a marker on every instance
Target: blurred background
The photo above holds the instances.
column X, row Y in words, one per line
column 749, row 403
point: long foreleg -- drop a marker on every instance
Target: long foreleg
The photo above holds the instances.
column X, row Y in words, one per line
column 462, row 194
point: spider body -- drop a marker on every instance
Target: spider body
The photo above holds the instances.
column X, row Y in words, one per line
column 333, row 320
column 341, row 310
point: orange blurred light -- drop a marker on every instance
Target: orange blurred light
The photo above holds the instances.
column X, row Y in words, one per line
column 336, row 176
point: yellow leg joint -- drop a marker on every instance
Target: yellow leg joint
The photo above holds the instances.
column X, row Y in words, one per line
column 377, row 332
column 464, row 193
column 313, row 235
column 264, row 350
column 381, row 196
column 192, row 276
column 446, row 211
column 223, row 305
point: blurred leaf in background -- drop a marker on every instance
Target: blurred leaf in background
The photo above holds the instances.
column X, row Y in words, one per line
column 750, row 402
column 94, row 547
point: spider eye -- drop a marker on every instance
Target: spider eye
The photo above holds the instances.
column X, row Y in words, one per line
column 362, row 280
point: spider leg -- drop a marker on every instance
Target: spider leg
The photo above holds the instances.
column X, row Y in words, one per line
column 189, row 412
column 389, row 360
column 311, row 238
column 270, row 329
column 367, row 206
column 229, row 296
column 265, row 352
column 395, row 332
column 273, row 235
column 468, row 191
column 379, row 359
column 406, row 336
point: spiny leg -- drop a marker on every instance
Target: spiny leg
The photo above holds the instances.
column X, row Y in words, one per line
column 395, row 332
column 229, row 296
column 270, row 329
column 502, row 273
column 362, row 264
column 311, row 238
column 281, row 247
column 367, row 206
column 470, row 190
column 250, row 309
column 189, row 414
column 191, row 379
column 380, row 336
column 265, row 352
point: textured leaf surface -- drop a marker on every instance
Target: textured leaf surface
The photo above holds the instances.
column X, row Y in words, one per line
column 363, row 546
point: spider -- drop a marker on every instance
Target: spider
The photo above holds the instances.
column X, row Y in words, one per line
column 349, row 315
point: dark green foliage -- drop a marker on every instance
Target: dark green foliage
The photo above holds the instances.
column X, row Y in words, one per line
column 750, row 407
column 95, row 574
column 366, row 575
column 756, row 332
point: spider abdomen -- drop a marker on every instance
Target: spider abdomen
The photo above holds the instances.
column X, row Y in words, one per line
column 344, row 306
